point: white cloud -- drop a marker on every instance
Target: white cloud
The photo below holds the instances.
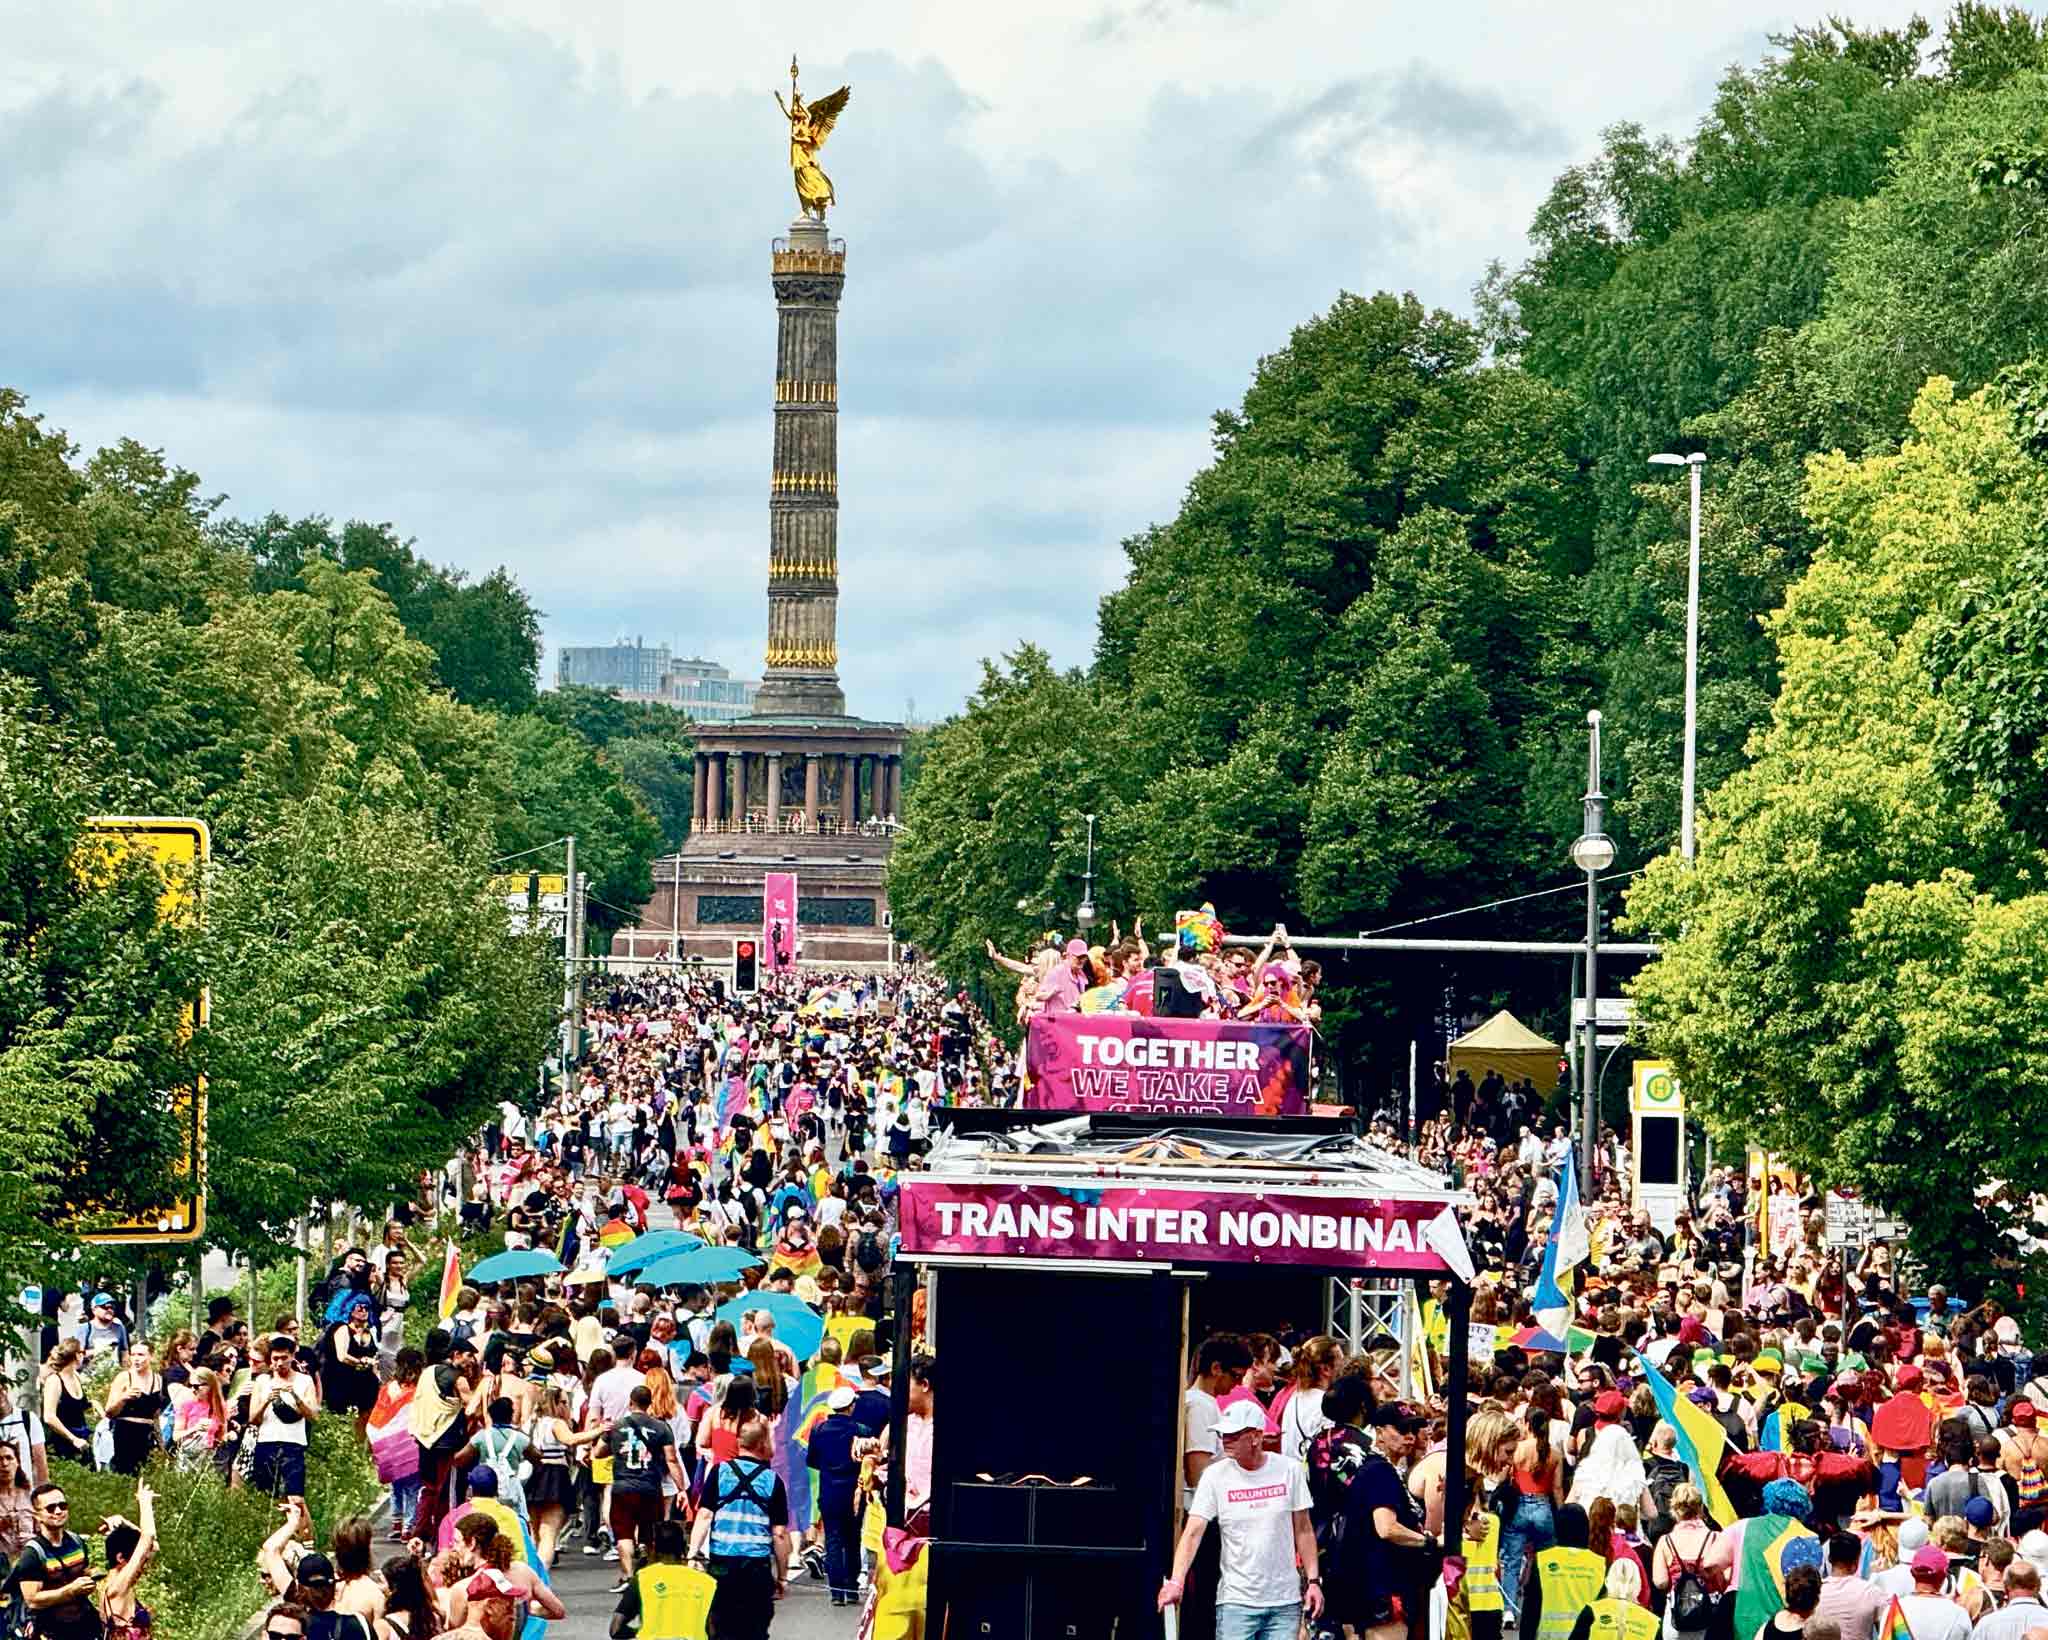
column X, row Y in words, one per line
column 498, row 273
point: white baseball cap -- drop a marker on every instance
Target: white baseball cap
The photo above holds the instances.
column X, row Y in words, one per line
column 1238, row 1417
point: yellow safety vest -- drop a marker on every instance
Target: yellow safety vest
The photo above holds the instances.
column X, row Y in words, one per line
column 1623, row 1620
column 1482, row 1567
column 1479, row 1588
column 1572, row 1580
column 674, row 1601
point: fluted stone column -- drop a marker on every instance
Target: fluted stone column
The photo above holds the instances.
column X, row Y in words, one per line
column 802, row 676
column 895, row 806
column 697, row 762
column 739, row 794
column 774, row 792
column 715, row 788
column 811, row 784
column 849, row 775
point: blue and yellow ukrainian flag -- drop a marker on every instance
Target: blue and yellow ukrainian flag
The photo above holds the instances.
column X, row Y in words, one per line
column 1702, row 1443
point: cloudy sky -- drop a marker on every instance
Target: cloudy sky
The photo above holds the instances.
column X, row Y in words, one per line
column 498, row 273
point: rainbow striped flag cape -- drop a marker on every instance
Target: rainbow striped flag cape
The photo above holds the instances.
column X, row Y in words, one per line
column 1894, row 1625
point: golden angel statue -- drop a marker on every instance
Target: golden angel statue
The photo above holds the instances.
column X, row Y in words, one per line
column 809, row 125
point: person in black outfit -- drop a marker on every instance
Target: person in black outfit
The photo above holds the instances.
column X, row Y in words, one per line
column 1386, row 1559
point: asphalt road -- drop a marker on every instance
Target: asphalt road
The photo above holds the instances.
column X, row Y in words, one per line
column 584, row 1582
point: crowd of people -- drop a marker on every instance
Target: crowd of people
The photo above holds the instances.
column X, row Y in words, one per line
column 1741, row 1433
column 1191, row 974
column 654, row 1425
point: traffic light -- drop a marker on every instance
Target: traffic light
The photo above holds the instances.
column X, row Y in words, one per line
column 745, row 959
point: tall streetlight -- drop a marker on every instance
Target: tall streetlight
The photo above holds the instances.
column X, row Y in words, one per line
column 1694, row 462
column 1592, row 853
column 1084, row 913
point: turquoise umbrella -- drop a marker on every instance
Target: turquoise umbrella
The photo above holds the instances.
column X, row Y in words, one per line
column 517, row 1265
column 796, row 1323
column 698, row 1267
column 644, row 1250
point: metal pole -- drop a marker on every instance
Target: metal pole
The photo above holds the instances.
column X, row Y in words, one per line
column 1692, row 664
column 675, row 909
column 1523, row 948
column 1458, row 1372
column 1589, row 1104
column 569, row 957
column 299, row 1285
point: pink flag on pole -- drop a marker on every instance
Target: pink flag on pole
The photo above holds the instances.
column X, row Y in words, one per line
column 778, row 920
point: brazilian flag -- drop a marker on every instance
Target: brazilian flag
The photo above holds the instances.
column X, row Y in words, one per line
column 1771, row 1546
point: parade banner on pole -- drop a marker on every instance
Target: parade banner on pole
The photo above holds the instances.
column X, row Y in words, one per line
column 1186, row 1067
column 990, row 1219
column 778, row 920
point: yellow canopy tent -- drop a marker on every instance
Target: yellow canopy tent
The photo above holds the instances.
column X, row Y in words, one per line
column 1506, row 1045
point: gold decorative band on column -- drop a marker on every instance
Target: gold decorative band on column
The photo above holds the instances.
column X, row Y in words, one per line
column 789, row 261
column 803, row 654
column 806, row 392
column 804, row 483
column 803, row 566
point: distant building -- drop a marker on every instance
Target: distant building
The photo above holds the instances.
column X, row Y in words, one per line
column 631, row 668
column 706, row 692
column 703, row 691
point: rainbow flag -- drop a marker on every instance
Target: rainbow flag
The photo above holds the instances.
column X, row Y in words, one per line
column 731, row 1100
column 815, row 1413
column 1894, row 1625
column 616, row 1233
column 451, row 1283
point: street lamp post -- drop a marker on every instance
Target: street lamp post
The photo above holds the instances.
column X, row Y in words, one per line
column 1592, row 853
column 1693, row 463
column 1084, row 913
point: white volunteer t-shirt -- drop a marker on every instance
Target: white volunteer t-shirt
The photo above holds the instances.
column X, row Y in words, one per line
column 1254, row 1510
column 1202, row 1416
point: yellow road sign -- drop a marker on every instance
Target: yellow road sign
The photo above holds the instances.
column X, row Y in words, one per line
column 180, row 848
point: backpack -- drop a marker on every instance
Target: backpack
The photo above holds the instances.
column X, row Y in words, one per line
column 2033, row 1485
column 14, row 1623
column 1694, row 1606
column 867, row 1251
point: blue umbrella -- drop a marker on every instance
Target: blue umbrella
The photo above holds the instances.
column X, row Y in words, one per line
column 516, row 1266
column 698, row 1267
column 643, row 1250
column 796, row 1323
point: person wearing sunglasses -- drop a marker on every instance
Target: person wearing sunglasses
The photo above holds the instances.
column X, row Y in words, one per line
column 55, row 1578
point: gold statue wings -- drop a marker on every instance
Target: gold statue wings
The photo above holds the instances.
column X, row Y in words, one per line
column 825, row 112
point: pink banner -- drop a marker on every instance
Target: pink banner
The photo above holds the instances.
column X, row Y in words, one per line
column 778, row 921
column 985, row 1219
column 1184, row 1067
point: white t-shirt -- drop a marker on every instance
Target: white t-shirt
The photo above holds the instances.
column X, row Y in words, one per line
column 1254, row 1510
column 1301, row 1421
column 1931, row 1617
column 23, row 1430
column 274, row 1429
column 1202, row 1415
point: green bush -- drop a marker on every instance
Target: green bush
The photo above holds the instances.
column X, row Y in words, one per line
column 204, row 1584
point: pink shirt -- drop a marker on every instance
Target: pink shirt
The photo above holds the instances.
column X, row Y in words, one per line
column 1059, row 992
column 1244, row 1392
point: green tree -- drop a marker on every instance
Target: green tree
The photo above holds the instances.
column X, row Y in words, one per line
column 484, row 635
column 994, row 830
column 1854, row 969
column 95, row 985
column 373, row 1008
column 559, row 787
column 1935, row 275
